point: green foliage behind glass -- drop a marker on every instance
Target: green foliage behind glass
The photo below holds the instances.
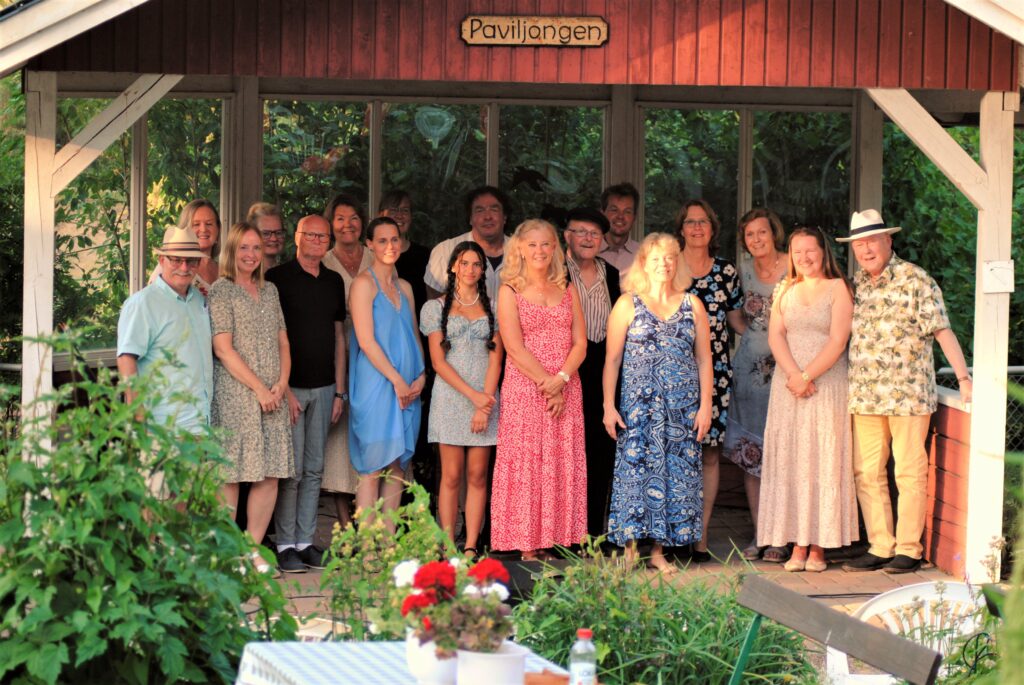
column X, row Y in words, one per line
column 99, row 580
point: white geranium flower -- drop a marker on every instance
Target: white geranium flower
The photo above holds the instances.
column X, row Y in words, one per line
column 471, row 591
column 404, row 572
column 455, row 562
column 374, row 629
column 498, row 589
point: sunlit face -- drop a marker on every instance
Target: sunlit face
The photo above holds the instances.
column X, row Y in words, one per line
column 536, row 248
column 386, row 243
column 583, row 239
column 248, row 255
column 621, row 213
column 806, row 255
column 758, row 238
column 346, row 224
column 487, row 217
column 178, row 272
column 660, row 266
column 312, row 237
column 402, row 214
column 273, row 235
column 468, row 269
column 873, row 253
column 204, row 223
column 696, row 227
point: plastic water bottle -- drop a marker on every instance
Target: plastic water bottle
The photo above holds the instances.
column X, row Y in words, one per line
column 583, row 659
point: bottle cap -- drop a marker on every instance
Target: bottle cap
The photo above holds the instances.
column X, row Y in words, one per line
column 584, row 633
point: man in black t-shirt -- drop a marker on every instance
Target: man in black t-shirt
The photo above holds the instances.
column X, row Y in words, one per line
column 313, row 302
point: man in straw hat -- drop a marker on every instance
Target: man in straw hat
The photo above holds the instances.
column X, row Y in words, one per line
column 898, row 311
column 169, row 318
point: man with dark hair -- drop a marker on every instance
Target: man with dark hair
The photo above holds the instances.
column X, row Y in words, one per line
column 619, row 204
column 487, row 208
column 597, row 283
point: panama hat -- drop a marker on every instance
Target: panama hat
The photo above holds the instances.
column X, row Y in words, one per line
column 867, row 223
column 180, row 242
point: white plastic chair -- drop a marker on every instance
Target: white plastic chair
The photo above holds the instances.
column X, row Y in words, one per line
column 932, row 614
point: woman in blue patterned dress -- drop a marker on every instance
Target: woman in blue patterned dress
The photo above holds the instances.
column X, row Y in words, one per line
column 658, row 333
column 716, row 282
column 466, row 351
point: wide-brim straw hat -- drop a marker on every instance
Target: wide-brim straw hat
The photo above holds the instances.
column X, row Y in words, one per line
column 865, row 224
column 180, row 242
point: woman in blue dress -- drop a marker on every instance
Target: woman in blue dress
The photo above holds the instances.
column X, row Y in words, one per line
column 385, row 372
column 658, row 334
column 466, row 352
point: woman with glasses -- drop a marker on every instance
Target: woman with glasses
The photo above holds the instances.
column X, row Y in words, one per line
column 716, row 282
column 202, row 217
column 251, row 369
column 267, row 218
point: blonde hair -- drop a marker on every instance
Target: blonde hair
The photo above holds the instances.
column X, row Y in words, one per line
column 227, row 255
column 258, row 210
column 637, row 282
column 513, row 272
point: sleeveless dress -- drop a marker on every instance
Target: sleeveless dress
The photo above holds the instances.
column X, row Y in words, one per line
column 539, row 491
column 658, row 490
column 807, row 491
column 450, row 410
column 339, row 476
column 379, row 431
column 752, row 368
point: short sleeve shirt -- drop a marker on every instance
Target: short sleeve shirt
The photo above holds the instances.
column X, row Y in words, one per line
column 895, row 318
column 163, row 329
column 311, row 305
column 436, row 275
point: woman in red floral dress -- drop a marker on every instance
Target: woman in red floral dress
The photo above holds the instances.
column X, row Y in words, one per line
column 539, row 494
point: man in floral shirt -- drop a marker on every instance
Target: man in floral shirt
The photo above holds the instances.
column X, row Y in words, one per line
column 898, row 312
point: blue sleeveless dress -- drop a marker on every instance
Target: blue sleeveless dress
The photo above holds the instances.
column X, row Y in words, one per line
column 379, row 431
column 658, row 489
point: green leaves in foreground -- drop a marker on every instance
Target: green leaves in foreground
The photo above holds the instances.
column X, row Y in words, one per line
column 100, row 581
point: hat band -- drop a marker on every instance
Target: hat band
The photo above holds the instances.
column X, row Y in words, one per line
column 180, row 246
column 865, row 229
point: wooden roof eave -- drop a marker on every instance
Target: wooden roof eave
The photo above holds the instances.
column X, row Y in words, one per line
column 1004, row 16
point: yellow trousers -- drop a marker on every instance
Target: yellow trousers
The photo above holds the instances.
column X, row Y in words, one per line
column 872, row 436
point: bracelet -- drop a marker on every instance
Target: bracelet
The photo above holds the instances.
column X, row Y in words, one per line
column 343, row 396
column 961, row 379
column 805, row 376
column 563, row 375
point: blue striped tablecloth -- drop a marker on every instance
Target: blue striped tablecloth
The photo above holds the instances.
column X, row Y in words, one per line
column 336, row 663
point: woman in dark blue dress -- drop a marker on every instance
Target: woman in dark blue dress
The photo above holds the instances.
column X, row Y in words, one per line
column 658, row 334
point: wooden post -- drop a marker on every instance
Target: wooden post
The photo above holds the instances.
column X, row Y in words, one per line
column 374, row 190
column 37, row 317
column 623, row 148
column 137, row 207
column 241, row 181
column 866, row 161
column 993, row 285
column 491, row 141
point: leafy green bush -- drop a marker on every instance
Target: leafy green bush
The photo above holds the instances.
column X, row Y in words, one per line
column 647, row 630
column 100, row 581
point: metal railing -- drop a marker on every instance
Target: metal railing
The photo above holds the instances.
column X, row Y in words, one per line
column 946, row 378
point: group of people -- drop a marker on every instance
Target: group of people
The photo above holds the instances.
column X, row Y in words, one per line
column 601, row 373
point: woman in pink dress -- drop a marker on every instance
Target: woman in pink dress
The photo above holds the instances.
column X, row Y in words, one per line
column 539, row 493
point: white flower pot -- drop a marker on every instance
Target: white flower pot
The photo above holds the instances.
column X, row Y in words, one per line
column 424, row 665
column 507, row 666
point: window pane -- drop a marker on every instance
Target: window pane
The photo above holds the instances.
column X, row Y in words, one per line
column 311, row 151
column 691, row 154
column 436, row 153
column 183, row 161
column 802, row 168
column 549, row 156
column 91, row 255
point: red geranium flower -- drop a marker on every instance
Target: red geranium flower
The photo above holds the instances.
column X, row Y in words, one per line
column 418, row 601
column 489, row 570
column 437, row 575
column 427, row 624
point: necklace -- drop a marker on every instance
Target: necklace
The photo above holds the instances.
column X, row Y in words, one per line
column 763, row 274
column 466, row 304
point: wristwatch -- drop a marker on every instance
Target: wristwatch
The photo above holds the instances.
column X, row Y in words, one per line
column 805, row 376
column 343, row 396
column 563, row 375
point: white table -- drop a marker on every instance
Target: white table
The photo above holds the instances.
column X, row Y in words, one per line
column 334, row 663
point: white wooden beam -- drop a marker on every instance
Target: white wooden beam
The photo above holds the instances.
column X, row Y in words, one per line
column 992, row 289
column 37, row 300
column 933, row 141
column 1005, row 17
column 107, row 126
column 137, row 206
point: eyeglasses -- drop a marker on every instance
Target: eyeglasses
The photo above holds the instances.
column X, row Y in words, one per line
column 318, row 237
column 690, row 223
column 398, row 210
column 191, row 262
column 270, row 235
column 593, row 235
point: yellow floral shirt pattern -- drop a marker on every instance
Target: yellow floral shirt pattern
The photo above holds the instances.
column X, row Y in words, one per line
column 895, row 319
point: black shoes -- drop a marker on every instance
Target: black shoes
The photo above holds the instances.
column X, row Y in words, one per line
column 901, row 563
column 868, row 562
column 699, row 557
column 290, row 561
column 312, row 557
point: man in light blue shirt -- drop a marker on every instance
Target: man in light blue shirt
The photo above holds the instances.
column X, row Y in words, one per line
column 167, row 324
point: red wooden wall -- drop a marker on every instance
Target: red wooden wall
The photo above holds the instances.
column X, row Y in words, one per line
column 945, row 533
column 795, row 43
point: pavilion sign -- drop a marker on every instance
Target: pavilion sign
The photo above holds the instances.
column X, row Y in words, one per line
column 532, row 30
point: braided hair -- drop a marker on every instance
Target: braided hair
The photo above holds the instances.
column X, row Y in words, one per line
column 449, row 293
